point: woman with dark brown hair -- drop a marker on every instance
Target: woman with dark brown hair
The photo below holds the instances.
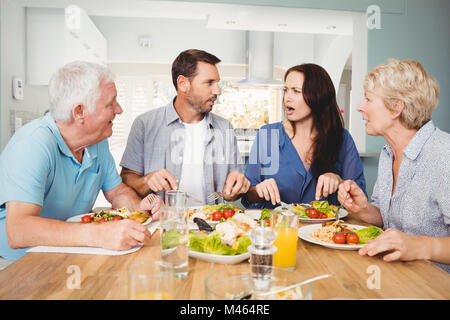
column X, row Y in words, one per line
column 307, row 156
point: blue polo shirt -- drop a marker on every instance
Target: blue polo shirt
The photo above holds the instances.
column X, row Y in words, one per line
column 37, row 167
column 274, row 156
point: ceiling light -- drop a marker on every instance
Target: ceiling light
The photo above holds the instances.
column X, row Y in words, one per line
column 331, row 28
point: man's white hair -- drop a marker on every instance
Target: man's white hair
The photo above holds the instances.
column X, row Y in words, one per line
column 76, row 83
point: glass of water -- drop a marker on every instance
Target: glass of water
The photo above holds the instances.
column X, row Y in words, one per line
column 175, row 233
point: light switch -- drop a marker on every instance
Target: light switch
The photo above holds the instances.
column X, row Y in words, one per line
column 17, row 88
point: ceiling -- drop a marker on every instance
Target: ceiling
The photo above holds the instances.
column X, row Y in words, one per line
column 218, row 16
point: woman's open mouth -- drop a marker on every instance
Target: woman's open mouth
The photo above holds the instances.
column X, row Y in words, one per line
column 289, row 110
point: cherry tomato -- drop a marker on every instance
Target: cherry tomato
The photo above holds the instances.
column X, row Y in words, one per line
column 339, row 238
column 217, row 215
column 102, row 220
column 313, row 213
column 352, row 238
column 323, row 216
column 346, row 230
column 86, row 218
column 117, row 218
column 228, row 213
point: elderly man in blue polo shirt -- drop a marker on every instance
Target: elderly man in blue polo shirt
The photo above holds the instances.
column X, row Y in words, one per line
column 54, row 167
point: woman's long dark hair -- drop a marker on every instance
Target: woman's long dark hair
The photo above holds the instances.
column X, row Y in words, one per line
column 320, row 95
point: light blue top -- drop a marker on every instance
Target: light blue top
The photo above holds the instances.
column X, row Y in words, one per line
column 156, row 141
column 274, row 156
column 420, row 204
column 36, row 166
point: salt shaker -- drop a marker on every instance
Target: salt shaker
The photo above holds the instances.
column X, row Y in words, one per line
column 261, row 255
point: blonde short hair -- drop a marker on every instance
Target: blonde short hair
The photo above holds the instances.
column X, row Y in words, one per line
column 405, row 80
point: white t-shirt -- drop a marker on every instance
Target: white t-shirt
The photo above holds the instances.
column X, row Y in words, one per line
column 191, row 180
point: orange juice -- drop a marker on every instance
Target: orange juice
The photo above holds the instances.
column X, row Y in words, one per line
column 286, row 243
column 153, row 296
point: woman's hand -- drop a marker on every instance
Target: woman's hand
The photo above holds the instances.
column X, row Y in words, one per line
column 327, row 184
column 402, row 246
column 268, row 190
column 352, row 197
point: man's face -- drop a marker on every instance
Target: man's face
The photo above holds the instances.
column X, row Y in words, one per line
column 204, row 88
column 99, row 124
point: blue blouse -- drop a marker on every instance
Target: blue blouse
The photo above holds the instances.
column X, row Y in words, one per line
column 274, row 156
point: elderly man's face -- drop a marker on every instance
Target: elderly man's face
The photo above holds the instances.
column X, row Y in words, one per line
column 99, row 124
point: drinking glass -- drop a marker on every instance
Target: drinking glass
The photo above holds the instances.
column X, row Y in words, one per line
column 175, row 233
column 150, row 280
column 285, row 224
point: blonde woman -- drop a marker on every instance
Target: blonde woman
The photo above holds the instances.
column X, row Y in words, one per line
column 411, row 196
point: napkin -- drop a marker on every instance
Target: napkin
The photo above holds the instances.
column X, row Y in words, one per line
column 90, row 250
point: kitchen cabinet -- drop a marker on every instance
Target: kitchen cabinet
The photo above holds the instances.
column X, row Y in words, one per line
column 53, row 41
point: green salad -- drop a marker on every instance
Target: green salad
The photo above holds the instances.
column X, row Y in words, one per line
column 316, row 209
column 212, row 243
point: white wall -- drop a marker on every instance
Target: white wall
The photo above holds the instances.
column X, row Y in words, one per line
column 13, row 63
column 169, row 38
column 291, row 49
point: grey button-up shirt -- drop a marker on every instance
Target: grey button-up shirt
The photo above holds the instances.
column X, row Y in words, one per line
column 420, row 204
column 156, row 141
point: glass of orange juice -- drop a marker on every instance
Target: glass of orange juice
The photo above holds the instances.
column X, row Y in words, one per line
column 285, row 224
column 150, row 280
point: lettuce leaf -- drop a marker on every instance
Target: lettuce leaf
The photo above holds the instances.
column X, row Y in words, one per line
column 196, row 242
column 243, row 243
column 368, row 233
column 171, row 238
column 213, row 244
column 265, row 214
column 300, row 211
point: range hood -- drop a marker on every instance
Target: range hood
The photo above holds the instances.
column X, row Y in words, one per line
column 260, row 61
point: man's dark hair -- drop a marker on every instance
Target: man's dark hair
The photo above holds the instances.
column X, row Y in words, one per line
column 186, row 63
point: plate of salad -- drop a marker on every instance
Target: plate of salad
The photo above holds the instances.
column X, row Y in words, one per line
column 338, row 235
column 224, row 243
column 315, row 211
column 106, row 215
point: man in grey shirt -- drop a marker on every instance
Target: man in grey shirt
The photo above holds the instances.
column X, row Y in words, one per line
column 182, row 145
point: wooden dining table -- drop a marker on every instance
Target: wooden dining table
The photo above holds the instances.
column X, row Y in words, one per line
column 51, row 275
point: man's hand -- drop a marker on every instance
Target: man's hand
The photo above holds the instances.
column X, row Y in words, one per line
column 235, row 185
column 121, row 235
column 161, row 180
column 151, row 203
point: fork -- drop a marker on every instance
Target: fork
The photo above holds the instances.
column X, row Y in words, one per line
column 187, row 194
column 214, row 196
column 153, row 199
column 341, row 206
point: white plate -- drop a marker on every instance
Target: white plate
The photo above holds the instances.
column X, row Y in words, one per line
column 217, row 258
column 253, row 213
column 305, row 233
column 77, row 218
column 342, row 214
